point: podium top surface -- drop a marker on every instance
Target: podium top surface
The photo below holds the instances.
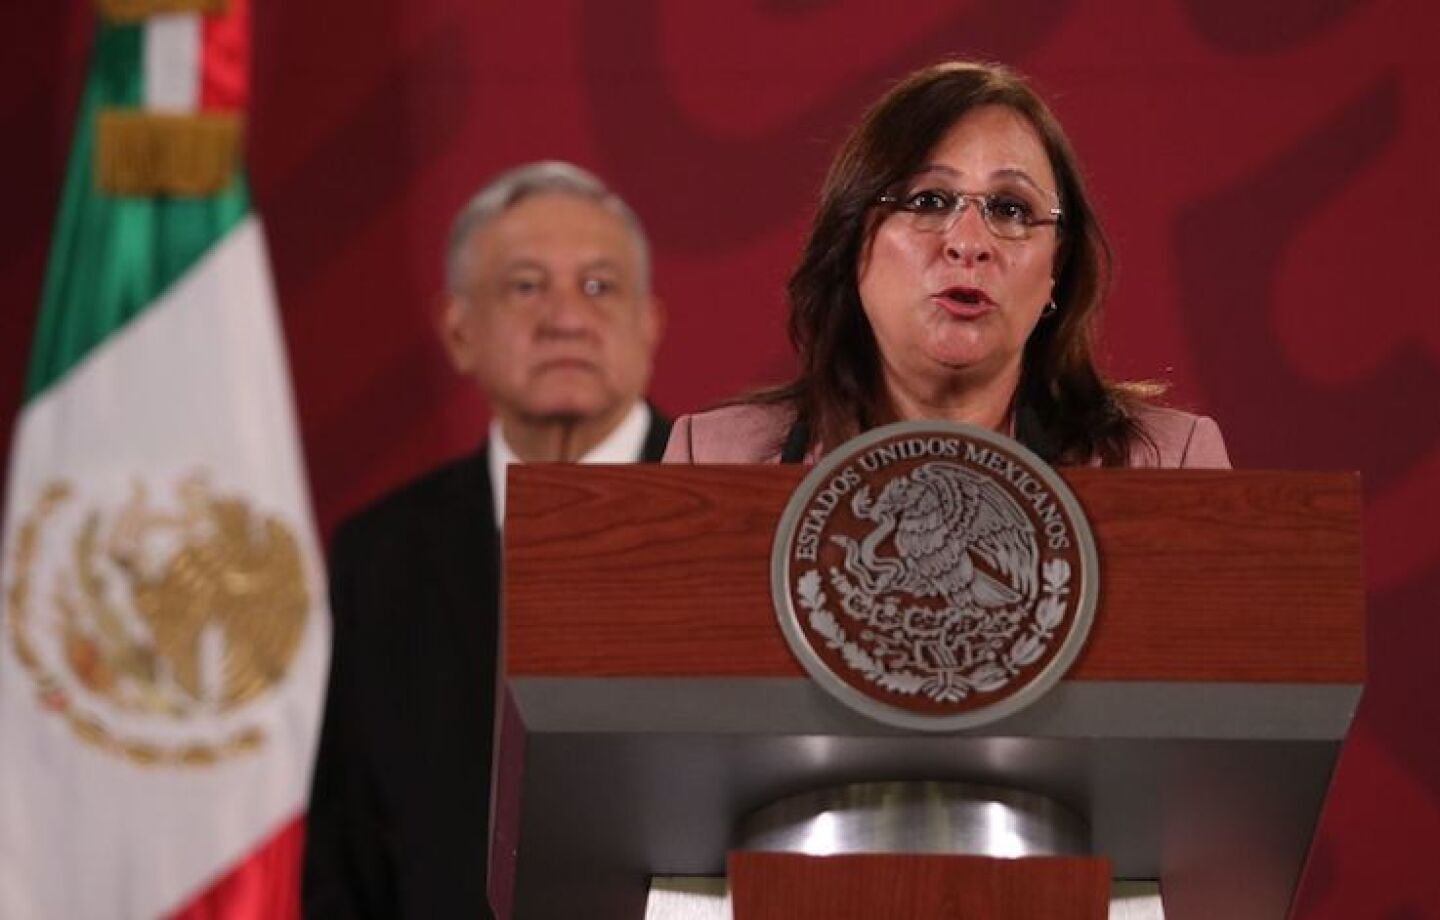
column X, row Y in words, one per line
column 650, row 571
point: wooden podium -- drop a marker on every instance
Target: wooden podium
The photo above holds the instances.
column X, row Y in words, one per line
column 650, row 700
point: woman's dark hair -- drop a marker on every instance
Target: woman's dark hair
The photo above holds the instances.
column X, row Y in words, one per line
column 838, row 391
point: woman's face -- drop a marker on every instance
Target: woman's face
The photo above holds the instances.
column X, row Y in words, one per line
column 952, row 308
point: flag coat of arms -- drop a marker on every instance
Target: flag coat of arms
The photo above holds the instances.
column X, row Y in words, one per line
column 163, row 633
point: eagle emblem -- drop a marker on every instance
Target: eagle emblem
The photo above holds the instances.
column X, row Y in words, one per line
column 928, row 605
column 140, row 622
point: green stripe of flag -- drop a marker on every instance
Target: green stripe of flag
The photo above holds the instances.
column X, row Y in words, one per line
column 113, row 256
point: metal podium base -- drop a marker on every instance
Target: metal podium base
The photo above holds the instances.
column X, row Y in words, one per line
column 917, row 817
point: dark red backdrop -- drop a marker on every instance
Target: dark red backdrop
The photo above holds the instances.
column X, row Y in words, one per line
column 1266, row 171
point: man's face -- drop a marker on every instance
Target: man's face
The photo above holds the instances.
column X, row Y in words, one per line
column 553, row 318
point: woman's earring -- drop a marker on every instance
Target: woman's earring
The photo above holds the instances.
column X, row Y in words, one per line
column 1050, row 309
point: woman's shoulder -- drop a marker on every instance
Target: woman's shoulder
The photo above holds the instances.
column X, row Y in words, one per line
column 1174, row 439
column 744, row 433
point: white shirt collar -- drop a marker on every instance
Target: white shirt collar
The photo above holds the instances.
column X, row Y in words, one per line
column 622, row 445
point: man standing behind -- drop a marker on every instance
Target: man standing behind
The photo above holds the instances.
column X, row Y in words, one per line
column 550, row 311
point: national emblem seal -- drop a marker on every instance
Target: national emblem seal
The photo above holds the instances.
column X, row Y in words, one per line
column 934, row 576
column 154, row 631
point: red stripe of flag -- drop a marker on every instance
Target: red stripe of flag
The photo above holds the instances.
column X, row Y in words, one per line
column 265, row 886
column 225, row 59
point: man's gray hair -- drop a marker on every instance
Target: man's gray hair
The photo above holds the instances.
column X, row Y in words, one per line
column 547, row 177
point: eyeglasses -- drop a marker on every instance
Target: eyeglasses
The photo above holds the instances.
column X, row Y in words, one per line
column 935, row 210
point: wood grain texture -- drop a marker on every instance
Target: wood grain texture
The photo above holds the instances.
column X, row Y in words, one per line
column 665, row 571
column 790, row 886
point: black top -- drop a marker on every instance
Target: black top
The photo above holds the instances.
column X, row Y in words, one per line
column 399, row 810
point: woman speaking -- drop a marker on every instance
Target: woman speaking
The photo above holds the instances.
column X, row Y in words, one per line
column 955, row 271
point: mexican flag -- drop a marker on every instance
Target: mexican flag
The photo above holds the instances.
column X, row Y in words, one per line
column 163, row 633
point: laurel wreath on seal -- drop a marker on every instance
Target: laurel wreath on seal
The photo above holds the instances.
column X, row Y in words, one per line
column 986, row 677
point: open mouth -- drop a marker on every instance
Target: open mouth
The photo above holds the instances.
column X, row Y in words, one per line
column 964, row 299
column 969, row 297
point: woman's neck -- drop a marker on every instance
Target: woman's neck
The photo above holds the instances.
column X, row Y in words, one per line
column 985, row 403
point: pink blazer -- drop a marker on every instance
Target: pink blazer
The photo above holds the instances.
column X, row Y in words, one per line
column 754, row 434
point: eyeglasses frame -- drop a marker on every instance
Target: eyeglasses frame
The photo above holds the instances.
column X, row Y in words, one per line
column 963, row 200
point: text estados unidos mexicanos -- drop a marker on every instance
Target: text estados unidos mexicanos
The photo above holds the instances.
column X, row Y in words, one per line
column 845, row 481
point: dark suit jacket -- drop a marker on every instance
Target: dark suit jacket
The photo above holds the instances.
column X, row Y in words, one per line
column 399, row 809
